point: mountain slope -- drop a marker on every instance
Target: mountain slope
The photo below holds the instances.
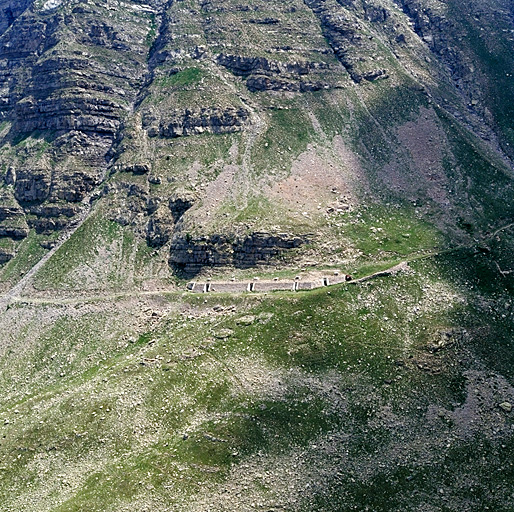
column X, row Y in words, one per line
column 195, row 121
column 146, row 144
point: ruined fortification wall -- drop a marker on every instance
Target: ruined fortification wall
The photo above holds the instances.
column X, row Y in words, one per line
column 257, row 285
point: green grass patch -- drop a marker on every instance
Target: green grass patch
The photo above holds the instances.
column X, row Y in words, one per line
column 29, row 252
column 100, row 254
column 488, row 188
column 338, row 378
column 289, row 132
column 184, row 78
column 388, row 232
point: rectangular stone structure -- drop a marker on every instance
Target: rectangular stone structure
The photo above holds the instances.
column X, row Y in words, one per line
column 229, row 287
column 270, row 286
column 264, row 286
column 341, row 278
column 307, row 285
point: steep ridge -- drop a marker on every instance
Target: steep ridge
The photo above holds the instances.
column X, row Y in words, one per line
column 64, row 100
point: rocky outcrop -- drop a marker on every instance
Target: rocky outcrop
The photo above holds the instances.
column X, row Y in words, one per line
column 160, row 227
column 67, row 78
column 139, row 168
column 32, row 185
column 438, row 32
column 259, row 248
column 469, row 41
column 17, row 231
column 62, row 209
column 265, row 83
column 86, row 114
column 48, row 217
column 87, row 91
column 10, row 10
column 38, row 185
column 151, row 215
column 50, row 201
column 267, row 75
column 74, row 186
column 13, row 224
column 9, row 209
column 245, row 66
column 180, row 202
column 6, row 254
column 191, row 254
column 47, row 225
column 165, row 215
column 350, row 41
column 375, row 13
column 264, row 21
column 183, row 123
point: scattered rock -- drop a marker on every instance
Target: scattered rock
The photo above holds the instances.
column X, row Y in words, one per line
column 223, row 334
column 505, row 406
column 246, row 320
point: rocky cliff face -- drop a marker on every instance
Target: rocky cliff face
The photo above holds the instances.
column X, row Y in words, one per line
column 190, row 255
column 96, row 97
column 187, row 122
column 67, row 79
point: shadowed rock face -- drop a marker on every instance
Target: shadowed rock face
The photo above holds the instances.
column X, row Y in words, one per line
column 10, row 10
column 191, row 255
column 89, row 91
column 190, row 122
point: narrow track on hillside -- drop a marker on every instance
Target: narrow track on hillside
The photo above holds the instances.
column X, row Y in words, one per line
column 13, row 295
column 504, row 228
column 76, row 223
column 24, row 281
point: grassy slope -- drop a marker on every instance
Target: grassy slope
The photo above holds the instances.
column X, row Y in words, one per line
column 347, row 389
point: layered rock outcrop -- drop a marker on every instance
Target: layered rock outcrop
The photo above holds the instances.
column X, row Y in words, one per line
column 67, row 76
column 96, row 91
column 190, row 254
column 183, row 123
column 351, row 42
column 12, row 218
column 263, row 74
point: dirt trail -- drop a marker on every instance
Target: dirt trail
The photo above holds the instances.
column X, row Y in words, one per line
column 318, row 279
column 65, row 236
column 503, row 228
column 317, row 283
column 86, row 203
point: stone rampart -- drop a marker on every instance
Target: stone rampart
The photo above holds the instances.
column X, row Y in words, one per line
column 257, row 285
